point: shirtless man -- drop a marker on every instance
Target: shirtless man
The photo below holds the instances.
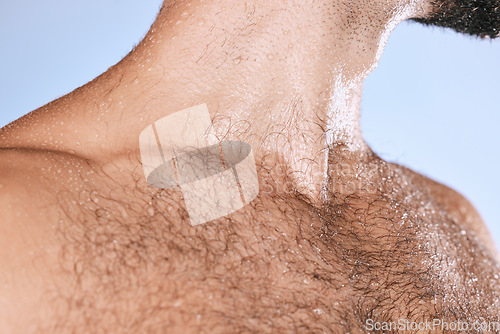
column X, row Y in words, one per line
column 336, row 239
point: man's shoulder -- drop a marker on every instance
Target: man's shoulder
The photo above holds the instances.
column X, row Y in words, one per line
column 16, row 174
column 457, row 206
column 30, row 183
column 21, row 177
column 26, row 194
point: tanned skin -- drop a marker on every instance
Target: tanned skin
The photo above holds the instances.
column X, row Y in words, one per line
column 337, row 236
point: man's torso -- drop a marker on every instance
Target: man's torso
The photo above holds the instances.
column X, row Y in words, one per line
column 124, row 258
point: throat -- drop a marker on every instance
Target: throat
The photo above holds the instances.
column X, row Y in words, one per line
column 296, row 140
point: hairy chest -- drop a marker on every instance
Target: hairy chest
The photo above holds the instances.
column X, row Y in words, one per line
column 276, row 265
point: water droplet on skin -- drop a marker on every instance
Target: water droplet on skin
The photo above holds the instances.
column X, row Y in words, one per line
column 318, row 311
column 151, row 211
column 237, row 60
column 270, row 56
column 94, row 197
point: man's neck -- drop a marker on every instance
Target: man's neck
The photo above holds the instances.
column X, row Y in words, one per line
column 283, row 76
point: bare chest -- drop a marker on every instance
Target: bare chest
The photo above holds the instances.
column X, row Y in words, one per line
column 276, row 265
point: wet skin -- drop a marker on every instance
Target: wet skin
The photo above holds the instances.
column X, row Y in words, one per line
column 336, row 236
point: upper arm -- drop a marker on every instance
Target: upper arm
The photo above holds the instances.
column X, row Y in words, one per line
column 22, row 255
column 12, row 192
column 26, row 205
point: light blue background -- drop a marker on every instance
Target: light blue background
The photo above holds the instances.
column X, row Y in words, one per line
column 433, row 104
